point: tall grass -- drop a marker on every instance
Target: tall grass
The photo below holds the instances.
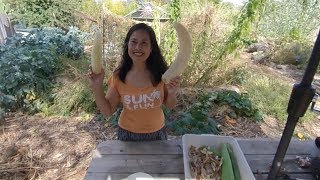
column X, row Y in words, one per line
column 71, row 94
column 270, row 93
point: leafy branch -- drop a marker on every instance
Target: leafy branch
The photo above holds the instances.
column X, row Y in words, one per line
column 248, row 15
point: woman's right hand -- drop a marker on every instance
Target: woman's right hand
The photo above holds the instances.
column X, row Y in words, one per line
column 95, row 80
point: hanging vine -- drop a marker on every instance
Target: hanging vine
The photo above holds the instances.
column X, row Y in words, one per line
column 170, row 43
column 248, row 15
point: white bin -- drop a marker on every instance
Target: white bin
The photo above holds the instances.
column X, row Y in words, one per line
column 216, row 141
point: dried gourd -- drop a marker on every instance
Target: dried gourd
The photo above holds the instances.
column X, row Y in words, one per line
column 96, row 54
column 181, row 60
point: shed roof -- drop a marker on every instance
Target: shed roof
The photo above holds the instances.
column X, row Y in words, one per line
column 147, row 11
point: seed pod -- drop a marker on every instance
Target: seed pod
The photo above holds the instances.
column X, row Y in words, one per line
column 181, row 60
column 96, row 54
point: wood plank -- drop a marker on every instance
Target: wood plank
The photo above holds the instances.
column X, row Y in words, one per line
column 118, row 159
column 108, row 176
column 174, row 164
column 269, row 146
column 162, row 164
column 115, row 147
column 248, row 146
column 115, row 176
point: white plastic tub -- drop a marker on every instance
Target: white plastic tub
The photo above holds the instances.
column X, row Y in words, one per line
column 216, row 141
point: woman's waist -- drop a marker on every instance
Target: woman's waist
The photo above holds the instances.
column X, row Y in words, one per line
column 142, row 121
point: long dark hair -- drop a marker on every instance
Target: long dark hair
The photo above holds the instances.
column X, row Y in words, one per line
column 155, row 62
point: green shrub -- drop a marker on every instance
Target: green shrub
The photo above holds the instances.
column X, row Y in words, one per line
column 187, row 124
column 69, row 44
column 295, row 53
column 42, row 13
column 70, row 98
column 289, row 20
column 4, row 7
column 271, row 94
column 240, row 103
column 196, row 118
column 28, row 64
column 26, row 71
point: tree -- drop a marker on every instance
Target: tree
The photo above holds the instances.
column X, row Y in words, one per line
column 39, row 13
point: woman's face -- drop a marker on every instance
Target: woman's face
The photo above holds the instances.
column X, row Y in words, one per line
column 139, row 46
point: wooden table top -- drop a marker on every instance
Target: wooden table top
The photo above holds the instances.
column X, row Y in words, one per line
column 115, row 160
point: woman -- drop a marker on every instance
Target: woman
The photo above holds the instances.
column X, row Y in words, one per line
column 137, row 84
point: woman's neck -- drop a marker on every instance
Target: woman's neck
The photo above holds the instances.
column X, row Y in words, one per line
column 139, row 68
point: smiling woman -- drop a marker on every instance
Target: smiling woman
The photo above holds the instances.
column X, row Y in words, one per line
column 137, row 84
column 139, row 46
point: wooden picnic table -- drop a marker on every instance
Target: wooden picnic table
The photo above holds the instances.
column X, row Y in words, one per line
column 113, row 160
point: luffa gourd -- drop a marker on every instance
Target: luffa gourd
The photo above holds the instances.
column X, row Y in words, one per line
column 182, row 57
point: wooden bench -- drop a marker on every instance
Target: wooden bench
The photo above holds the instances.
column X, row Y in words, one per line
column 113, row 160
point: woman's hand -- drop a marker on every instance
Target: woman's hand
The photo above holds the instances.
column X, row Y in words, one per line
column 171, row 92
column 95, row 80
column 173, row 86
column 106, row 102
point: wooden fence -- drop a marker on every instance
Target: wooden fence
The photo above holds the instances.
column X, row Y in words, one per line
column 6, row 28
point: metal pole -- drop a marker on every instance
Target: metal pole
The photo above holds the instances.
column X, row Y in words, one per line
column 301, row 97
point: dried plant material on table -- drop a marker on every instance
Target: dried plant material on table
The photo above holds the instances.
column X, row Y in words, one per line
column 204, row 164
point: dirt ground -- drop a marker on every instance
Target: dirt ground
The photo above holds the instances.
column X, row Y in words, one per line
column 35, row 147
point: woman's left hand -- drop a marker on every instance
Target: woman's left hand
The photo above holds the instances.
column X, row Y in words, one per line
column 173, row 85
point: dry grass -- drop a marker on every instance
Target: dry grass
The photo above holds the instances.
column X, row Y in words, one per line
column 33, row 147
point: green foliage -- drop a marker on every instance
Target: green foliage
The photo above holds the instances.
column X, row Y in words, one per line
column 41, row 13
column 270, row 94
column 248, row 15
column 175, row 10
column 2, row 114
column 91, row 9
column 115, row 117
column 240, row 103
column 26, row 70
column 69, row 44
column 4, row 7
column 71, row 93
column 295, row 53
column 28, row 64
column 196, row 118
column 208, row 29
column 156, row 24
column 187, row 124
column 192, row 7
column 121, row 8
column 238, row 76
column 68, row 99
column 289, row 20
column 293, row 33
column 170, row 43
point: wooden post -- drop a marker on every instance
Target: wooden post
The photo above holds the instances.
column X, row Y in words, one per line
column 6, row 29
